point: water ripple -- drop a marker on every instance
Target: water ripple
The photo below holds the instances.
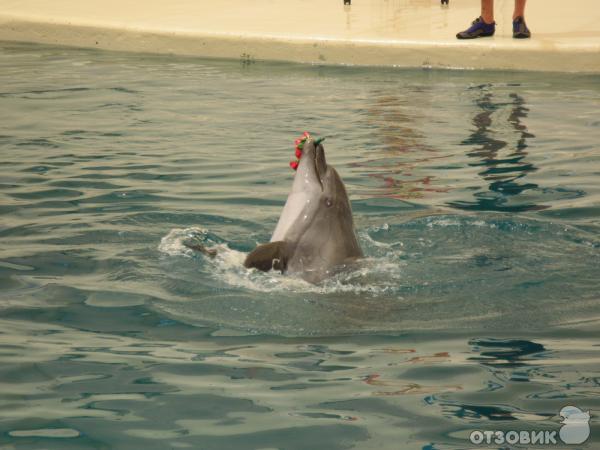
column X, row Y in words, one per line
column 475, row 197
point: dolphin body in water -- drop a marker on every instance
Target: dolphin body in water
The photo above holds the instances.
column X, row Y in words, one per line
column 315, row 235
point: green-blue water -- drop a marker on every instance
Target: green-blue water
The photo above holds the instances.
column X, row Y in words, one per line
column 476, row 201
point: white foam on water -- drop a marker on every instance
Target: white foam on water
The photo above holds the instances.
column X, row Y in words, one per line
column 379, row 244
column 173, row 243
column 228, row 267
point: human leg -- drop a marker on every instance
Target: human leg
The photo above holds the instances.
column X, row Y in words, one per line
column 519, row 9
column 520, row 30
column 487, row 10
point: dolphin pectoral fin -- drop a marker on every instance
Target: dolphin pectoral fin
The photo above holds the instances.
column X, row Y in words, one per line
column 265, row 257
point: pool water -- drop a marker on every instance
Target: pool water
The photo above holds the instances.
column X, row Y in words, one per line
column 476, row 201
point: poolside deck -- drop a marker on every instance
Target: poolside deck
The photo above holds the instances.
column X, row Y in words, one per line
column 407, row 33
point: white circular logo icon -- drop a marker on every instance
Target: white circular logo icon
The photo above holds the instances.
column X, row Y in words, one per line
column 576, row 426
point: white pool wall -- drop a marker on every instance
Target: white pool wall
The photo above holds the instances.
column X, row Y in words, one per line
column 403, row 33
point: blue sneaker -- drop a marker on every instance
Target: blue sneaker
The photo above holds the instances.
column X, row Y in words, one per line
column 520, row 30
column 478, row 29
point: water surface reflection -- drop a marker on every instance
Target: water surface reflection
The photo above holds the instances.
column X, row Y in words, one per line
column 503, row 165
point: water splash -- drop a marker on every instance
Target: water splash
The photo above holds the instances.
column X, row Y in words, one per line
column 367, row 277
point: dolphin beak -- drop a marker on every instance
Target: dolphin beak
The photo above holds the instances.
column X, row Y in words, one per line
column 320, row 163
column 313, row 166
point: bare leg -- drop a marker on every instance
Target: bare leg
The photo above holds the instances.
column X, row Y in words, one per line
column 519, row 9
column 487, row 10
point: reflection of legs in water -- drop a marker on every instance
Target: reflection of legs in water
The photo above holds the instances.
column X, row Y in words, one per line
column 519, row 111
column 502, row 172
column 482, row 121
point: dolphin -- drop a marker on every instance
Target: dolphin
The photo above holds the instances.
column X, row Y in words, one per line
column 315, row 235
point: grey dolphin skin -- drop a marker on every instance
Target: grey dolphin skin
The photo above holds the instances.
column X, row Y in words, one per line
column 315, row 234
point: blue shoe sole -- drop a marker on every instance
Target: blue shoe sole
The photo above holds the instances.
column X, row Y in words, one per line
column 473, row 36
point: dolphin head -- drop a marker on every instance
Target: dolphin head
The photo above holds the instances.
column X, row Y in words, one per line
column 317, row 190
column 316, row 221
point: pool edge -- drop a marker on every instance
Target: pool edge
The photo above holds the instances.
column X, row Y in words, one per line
column 497, row 54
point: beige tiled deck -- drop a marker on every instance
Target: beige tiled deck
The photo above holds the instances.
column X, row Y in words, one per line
column 412, row 33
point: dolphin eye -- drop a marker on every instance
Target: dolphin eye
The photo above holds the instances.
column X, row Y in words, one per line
column 328, row 202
